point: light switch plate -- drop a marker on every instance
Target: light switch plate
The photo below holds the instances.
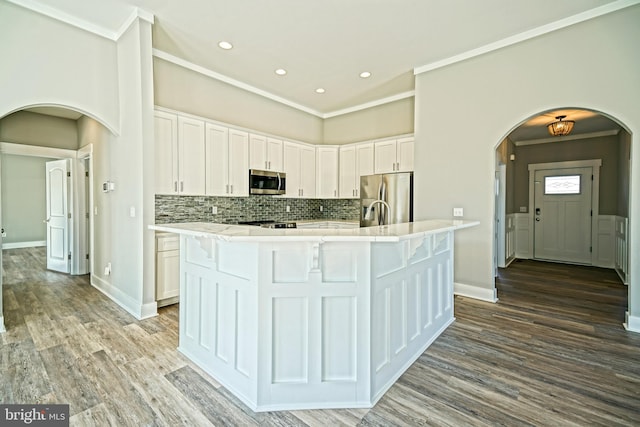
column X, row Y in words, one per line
column 458, row 212
column 214, row 210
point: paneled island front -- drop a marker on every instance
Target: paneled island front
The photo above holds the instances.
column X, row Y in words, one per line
column 312, row 318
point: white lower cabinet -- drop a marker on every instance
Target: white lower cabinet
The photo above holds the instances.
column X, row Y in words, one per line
column 167, row 268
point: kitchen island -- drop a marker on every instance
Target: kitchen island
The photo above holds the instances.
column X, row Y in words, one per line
column 312, row 318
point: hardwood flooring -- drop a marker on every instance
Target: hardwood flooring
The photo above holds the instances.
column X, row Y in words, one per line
column 551, row 352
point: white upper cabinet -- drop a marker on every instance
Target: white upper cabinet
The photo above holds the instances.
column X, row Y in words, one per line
column 348, row 171
column 166, row 152
column 265, row 153
column 180, row 164
column 356, row 160
column 327, row 172
column 227, row 161
column 394, row 155
column 300, row 167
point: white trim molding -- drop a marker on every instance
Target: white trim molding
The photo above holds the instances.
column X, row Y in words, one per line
column 632, row 323
column 133, row 307
column 475, row 292
column 36, row 151
column 2, row 328
column 530, row 34
column 20, row 245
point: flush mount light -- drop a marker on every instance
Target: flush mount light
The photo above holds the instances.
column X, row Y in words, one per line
column 320, row 90
column 365, row 74
column 225, row 45
column 561, row 126
column 281, row 71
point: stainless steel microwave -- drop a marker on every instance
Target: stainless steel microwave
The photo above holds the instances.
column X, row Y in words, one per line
column 267, row 182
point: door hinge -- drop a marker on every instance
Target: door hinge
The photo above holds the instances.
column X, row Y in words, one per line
column 69, row 174
column 69, row 215
column 86, row 215
column 591, row 212
column 591, row 177
column 86, row 174
column 69, row 256
column 590, row 248
column 87, row 257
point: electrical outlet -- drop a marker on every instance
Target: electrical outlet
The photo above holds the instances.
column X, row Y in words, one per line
column 214, row 210
column 288, row 208
column 321, row 208
column 458, row 212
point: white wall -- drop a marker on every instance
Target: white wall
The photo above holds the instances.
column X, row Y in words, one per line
column 47, row 62
column 492, row 94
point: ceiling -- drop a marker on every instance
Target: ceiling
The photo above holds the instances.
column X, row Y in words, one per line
column 328, row 43
column 323, row 43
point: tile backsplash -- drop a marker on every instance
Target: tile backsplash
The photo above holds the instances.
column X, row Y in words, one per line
column 173, row 209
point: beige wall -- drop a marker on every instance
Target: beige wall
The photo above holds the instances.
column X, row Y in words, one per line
column 23, row 198
column 605, row 148
column 24, row 127
column 464, row 110
column 184, row 90
column 394, row 118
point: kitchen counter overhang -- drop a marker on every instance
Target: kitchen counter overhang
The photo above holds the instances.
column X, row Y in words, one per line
column 303, row 319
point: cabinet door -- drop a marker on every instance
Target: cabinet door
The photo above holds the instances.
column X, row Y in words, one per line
column 348, row 171
column 404, row 155
column 167, row 274
column 238, row 163
column 191, row 156
column 365, row 161
column 216, row 165
column 257, row 152
column 274, row 155
column 327, row 172
column 385, row 156
column 307, row 171
column 291, row 164
column 166, row 152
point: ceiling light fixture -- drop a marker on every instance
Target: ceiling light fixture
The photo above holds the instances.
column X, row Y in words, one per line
column 320, row 90
column 560, row 127
column 225, row 45
column 281, row 71
column 365, row 74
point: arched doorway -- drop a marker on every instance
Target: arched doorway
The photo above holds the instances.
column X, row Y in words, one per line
column 535, row 221
column 37, row 134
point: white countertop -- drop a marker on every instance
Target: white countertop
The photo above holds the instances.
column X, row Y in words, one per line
column 247, row 233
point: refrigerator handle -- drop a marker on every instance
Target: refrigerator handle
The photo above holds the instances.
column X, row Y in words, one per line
column 383, row 196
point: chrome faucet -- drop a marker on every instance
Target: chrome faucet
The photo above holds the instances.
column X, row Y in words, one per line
column 369, row 210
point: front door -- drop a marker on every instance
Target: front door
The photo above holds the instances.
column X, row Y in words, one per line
column 58, row 255
column 562, row 213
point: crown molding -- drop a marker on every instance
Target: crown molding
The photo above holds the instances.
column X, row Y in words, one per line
column 371, row 104
column 530, row 34
column 82, row 24
column 520, row 143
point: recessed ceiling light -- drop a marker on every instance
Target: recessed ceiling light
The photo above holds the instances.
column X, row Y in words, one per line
column 320, row 90
column 225, row 45
column 365, row 74
column 281, row 71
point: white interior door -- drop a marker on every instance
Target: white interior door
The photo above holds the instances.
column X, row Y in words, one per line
column 2, row 329
column 58, row 255
column 562, row 214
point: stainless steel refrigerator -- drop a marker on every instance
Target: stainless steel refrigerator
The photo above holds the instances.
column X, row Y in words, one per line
column 386, row 199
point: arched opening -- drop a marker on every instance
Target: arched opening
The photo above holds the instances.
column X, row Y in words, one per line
column 32, row 139
column 564, row 199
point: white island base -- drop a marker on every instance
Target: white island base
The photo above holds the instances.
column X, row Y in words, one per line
column 303, row 319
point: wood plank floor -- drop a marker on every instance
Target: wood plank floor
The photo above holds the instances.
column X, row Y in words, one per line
column 551, row 352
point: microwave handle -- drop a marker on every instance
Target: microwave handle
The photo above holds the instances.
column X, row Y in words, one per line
column 279, row 181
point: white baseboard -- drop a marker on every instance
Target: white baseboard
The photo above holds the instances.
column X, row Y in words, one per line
column 20, row 245
column 2, row 328
column 475, row 292
column 133, row 307
column 632, row 323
